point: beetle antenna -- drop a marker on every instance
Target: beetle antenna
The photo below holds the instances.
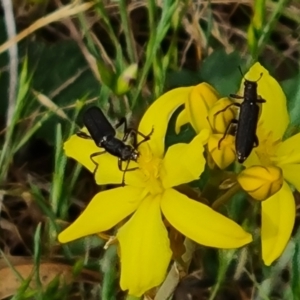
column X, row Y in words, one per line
column 261, row 74
column 126, row 169
column 243, row 76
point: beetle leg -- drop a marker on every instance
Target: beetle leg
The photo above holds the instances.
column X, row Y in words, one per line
column 224, row 109
column 126, row 130
column 260, row 100
column 236, row 96
column 84, row 135
column 233, row 121
column 121, row 122
column 120, row 165
column 135, row 133
column 256, row 142
column 92, row 156
column 146, row 137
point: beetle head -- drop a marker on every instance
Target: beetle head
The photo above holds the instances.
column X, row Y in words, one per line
column 129, row 153
column 250, row 85
column 134, row 155
column 241, row 158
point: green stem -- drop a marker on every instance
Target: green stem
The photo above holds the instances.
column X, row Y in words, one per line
column 127, row 32
column 268, row 28
column 211, row 188
column 226, row 196
column 129, row 297
column 156, row 37
column 225, row 261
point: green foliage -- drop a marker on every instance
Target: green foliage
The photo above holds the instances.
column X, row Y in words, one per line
column 219, row 69
column 77, row 268
column 291, row 88
column 108, row 267
column 60, row 71
column 68, row 62
column 8, row 149
column 295, row 266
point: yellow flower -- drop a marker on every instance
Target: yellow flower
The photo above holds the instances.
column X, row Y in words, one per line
column 278, row 210
column 148, row 197
column 280, row 161
column 197, row 105
column 221, row 148
column 273, row 163
column 198, row 109
column 201, row 105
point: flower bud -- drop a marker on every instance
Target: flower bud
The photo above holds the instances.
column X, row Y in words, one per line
column 201, row 99
column 126, row 79
column 261, row 182
column 224, row 156
column 218, row 119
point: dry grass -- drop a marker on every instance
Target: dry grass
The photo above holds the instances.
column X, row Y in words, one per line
column 203, row 27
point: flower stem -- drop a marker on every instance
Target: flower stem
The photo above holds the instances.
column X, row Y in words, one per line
column 226, row 196
column 211, row 190
column 130, row 297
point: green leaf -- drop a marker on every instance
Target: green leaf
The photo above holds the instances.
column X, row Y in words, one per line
column 295, row 265
column 291, row 88
column 108, row 267
column 78, row 247
column 182, row 78
column 78, row 266
column 61, row 73
column 221, row 71
column 186, row 134
column 67, row 62
column 52, row 287
column 238, row 206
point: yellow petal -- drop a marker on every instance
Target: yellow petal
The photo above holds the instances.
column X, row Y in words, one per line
column 80, row 149
column 218, row 119
column 252, row 160
column 278, row 217
column 201, row 99
column 201, row 223
column 157, row 117
column 224, row 156
column 265, row 153
column 274, row 116
column 291, row 174
column 184, row 162
column 108, row 172
column 261, row 182
column 181, row 120
column 145, row 248
column 104, row 211
column 288, row 152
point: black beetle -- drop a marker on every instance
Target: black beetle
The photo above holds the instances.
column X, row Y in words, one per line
column 245, row 134
column 103, row 134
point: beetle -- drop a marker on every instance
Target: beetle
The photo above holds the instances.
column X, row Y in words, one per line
column 104, row 135
column 246, row 124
